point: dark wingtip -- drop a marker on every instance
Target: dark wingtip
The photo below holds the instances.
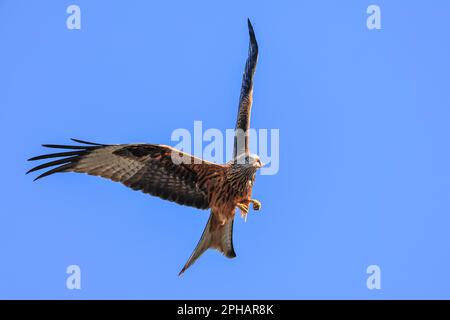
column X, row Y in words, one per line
column 182, row 271
column 250, row 26
column 252, row 35
column 86, row 142
column 40, row 176
column 33, row 169
column 66, row 159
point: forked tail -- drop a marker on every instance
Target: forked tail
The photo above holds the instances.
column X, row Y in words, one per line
column 215, row 236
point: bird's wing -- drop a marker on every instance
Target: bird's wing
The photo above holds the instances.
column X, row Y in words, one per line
column 241, row 140
column 147, row 167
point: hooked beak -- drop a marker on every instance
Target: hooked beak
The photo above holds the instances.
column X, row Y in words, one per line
column 259, row 164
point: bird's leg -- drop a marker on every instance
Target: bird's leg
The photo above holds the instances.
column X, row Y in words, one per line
column 244, row 210
column 256, row 204
column 243, row 206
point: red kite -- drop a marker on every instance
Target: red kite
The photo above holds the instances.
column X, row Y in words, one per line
column 194, row 182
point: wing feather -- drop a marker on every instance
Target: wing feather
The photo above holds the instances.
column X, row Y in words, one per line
column 145, row 167
column 241, row 140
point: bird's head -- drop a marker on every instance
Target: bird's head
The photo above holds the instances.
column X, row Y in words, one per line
column 248, row 160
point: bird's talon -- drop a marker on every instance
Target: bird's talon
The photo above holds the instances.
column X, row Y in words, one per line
column 256, row 205
column 243, row 208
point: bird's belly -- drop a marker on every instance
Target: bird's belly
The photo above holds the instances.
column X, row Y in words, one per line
column 246, row 193
column 226, row 198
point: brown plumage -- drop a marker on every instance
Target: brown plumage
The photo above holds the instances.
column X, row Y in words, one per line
column 176, row 176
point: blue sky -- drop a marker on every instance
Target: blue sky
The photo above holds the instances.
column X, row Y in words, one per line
column 364, row 160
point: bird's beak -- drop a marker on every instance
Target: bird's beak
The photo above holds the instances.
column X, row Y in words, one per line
column 259, row 164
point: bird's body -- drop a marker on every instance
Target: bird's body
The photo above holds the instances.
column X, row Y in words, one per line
column 157, row 170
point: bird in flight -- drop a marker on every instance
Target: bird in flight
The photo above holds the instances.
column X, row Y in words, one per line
column 173, row 175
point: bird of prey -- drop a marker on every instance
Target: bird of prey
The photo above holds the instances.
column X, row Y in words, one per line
column 192, row 182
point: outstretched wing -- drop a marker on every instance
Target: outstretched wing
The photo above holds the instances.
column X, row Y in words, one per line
column 147, row 167
column 241, row 139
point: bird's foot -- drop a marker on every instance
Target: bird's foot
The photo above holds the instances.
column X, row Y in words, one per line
column 244, row 210
column 256, row 204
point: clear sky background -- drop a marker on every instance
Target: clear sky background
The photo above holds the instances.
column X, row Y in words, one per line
column 364, row 147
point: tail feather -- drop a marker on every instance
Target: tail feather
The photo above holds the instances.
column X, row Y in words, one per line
column 215, row 236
